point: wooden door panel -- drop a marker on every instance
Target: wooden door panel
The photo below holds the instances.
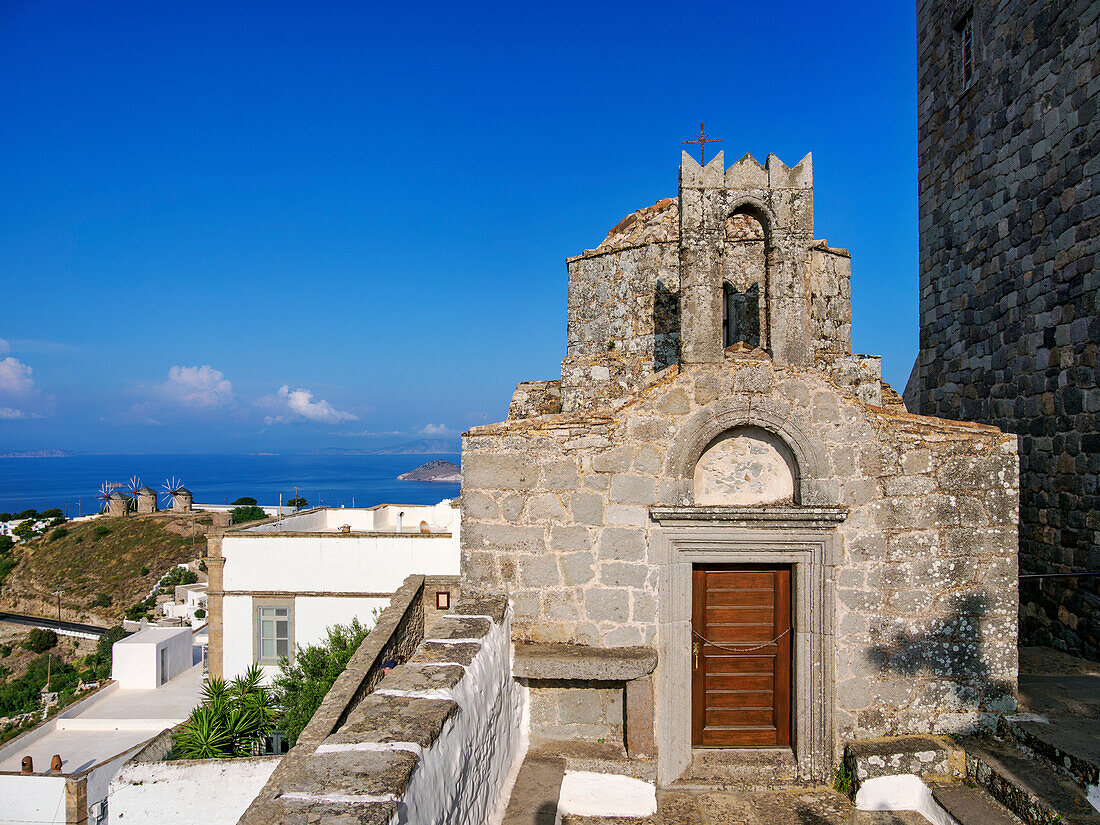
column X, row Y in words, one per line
column 741, row 698
column 747, row 598
column 740, row 681
column 741, row 614
column 757, row 717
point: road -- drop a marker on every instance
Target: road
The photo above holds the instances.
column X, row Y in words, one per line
column 85, row 631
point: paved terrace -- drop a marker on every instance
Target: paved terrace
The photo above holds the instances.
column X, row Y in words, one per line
column 105, row 725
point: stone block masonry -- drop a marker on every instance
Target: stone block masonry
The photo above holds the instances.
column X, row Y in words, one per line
column 1009, row 266
column 435, row 741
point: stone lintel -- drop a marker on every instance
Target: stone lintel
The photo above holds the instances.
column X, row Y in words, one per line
column 557, row 661
column 789, row 516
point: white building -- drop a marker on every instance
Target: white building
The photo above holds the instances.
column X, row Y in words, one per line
column 95, row 736
column 281, row 583
column 187, row 600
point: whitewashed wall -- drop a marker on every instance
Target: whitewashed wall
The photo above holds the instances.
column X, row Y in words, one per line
column 313, row 615
column 463, row 775
column 366, row 564
column 202, row 792
column 32, row 799
column 135, row 660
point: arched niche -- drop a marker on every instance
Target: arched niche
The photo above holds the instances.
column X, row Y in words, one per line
column 745, row 278
column 746, row 466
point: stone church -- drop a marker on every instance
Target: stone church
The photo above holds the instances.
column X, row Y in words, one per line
column 720, row 530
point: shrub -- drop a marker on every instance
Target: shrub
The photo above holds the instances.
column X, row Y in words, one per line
column 102, row 600
column 57, row 522
column 200, row 614
column 6, row 544
column 100, row 531
column 7, row 564
column 5, row 651
column 245, row 500
column 40, row 640
column 57, row 533
column 6, row 517
column 22, row 695
column 25, row 529
column 202, row 565
column 231, row 721
column 99, row 662
column 300, row 687
column 140, row 610
column 53, row 512
column 249, row 512
column 144, row 570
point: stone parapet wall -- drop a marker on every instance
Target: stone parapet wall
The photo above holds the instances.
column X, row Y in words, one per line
column 556, row 514
column 435, row 741
column 1009, row 217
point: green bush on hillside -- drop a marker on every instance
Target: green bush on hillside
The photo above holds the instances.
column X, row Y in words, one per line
column 244, row 501
column 249, row 512
column 57, row 533
column 39, row 640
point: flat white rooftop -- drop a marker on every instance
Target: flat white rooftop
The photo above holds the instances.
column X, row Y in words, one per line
column 152, row 635
column 106, row 725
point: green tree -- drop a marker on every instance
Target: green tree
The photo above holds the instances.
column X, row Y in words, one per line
column 301, row 685
column 245, row 500
column 298, row 502
column 6, row 544
column 53, row 512
column 25, row 529
column 31, row 513
column 98, row 663
column 249, row 512
column 40, row 640
column 231, row 721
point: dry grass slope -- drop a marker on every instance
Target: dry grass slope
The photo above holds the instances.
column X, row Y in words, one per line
column 89, row 561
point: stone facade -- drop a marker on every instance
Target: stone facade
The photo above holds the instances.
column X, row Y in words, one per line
column 902, row 530
column 1009, row 246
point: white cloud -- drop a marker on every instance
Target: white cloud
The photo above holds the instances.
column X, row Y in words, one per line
column 15, row 376
column 198, row 387
column 10, row 414
column 437, row 429
column 291, row 406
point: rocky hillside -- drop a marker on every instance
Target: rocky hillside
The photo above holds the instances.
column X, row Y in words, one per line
column 438, row 470
column 103, row 565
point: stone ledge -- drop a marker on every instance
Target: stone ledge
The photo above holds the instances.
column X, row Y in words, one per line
column 556, row 661
column 793, row 516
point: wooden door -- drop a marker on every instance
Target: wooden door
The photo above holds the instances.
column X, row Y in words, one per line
column 741, row 656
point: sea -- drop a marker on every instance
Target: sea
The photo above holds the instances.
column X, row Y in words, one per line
column 73, row 482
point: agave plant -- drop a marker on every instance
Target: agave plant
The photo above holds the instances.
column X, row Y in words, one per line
column 232, row 720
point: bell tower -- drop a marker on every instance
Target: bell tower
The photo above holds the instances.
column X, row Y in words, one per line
column 745, row 236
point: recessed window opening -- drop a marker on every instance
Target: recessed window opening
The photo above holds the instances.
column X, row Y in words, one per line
column 741, row 315
column 965, row 31
column 274, row 633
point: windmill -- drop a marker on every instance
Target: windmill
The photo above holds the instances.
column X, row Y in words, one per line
column 176, row 496
column 115, row 503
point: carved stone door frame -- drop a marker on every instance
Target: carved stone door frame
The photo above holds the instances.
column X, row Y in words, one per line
column 802, row 537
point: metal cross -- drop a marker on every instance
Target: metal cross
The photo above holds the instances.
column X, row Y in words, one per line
column 703, row 140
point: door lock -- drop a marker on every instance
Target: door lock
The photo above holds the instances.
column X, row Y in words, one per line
column 695, row 650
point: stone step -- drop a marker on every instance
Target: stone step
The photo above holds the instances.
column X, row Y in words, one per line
column 887, row 818
column 971, row 805
column 747, row 769
column 1034, row 791
column 534, row 798
column 1071, row 745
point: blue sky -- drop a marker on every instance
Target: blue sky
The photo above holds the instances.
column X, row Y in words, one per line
column 231, row 227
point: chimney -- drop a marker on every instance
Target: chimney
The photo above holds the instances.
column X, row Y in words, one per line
column 28, row 765
column 55, row 763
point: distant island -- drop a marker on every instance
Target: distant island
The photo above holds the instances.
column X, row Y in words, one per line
column 438, row 470
column 37, row 454
column 422, row 446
